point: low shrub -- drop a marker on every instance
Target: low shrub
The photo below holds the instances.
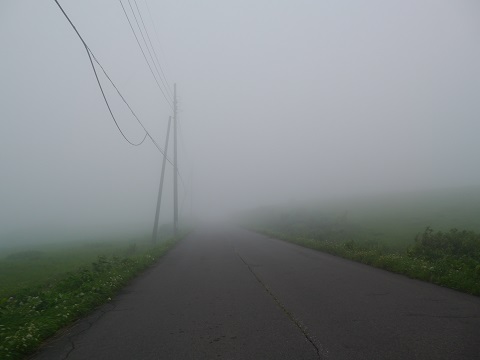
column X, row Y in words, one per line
column 454, row 243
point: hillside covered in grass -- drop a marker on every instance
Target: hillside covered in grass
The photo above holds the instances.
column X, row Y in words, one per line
column 432, row 236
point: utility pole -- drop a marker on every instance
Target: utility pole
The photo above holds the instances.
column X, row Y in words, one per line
column 175, row 164
column 160, row 188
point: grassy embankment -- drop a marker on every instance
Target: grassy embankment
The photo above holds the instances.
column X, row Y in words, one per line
column 44, row 289
column 394, row 232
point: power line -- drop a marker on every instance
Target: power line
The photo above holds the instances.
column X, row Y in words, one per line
column 158, row 40
column 143, row 52
column 135, row 115
column 144, row 40
column 90, row 54
column 92, row 58
column 154, row 52
column 106, row 102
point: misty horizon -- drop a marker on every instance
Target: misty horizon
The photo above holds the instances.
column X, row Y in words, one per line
column 278, row 102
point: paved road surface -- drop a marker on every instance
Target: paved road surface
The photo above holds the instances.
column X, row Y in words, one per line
column 232, row 294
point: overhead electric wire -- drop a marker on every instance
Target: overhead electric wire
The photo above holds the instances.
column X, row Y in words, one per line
column 106, row 102
column 135, row 115
column 181, row 179
column 143, row 52
column 145, row 41
column 158, row 41
column 90, row 55
column 154, row 52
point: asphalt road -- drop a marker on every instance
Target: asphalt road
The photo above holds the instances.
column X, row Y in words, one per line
column 232, row 294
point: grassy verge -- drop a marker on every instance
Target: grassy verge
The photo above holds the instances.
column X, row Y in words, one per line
column 429, row 258
column 24, row 267
column 390, row 231
column 31, row 314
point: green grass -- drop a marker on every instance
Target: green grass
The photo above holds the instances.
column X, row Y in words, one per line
column 461, row 272
column 22, row 268
column 392, row 232
column 50, row 288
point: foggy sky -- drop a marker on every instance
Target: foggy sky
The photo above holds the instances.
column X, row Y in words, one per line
column 279, row 100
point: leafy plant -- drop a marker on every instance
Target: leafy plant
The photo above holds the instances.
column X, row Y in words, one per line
column 454, row 243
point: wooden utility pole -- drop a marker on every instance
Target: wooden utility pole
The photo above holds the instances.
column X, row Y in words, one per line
column 175, row 164
column 160, row 188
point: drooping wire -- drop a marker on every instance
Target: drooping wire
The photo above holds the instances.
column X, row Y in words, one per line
column 90, row 55
column 131, row 110
column 89, row 52
column 158, row 41
column 154, row 52
column 143, row 52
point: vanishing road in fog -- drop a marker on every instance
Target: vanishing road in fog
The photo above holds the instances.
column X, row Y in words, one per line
column 233, row 294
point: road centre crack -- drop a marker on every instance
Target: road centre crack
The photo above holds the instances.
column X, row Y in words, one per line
column 321, row 352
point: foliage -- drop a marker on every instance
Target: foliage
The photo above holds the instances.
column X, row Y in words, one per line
column 461, row 272
column 389, row 232
column 30, row 315
column 454, row 243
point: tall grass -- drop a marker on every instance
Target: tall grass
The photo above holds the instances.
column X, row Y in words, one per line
column 57, row 287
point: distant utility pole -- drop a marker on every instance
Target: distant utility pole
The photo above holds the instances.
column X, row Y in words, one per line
column 175, row 164
column 160, row 188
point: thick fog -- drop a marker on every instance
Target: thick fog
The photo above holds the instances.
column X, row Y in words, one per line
column 278, row 100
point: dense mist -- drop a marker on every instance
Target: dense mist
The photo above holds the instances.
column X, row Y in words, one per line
column 278, row 101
